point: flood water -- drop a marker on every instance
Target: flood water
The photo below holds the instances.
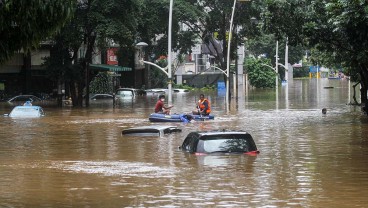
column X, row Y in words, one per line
column 78, row 157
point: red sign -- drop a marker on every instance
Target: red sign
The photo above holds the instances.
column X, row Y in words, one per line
column 112, row 59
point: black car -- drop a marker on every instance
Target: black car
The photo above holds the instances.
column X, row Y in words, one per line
column 202, row 143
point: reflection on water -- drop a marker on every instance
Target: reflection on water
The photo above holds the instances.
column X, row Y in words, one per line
column 79, row 158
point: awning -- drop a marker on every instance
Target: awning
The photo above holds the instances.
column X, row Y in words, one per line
column 105, row 67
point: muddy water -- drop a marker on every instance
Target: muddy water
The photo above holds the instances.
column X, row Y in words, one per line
column 78, row 157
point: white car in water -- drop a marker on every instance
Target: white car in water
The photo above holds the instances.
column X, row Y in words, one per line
column 26, row 112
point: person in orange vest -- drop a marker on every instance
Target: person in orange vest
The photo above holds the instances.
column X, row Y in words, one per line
column 203, row 106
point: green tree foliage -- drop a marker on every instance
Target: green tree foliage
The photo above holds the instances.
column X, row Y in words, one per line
column 157, row 77
column 94, row 22
column 337, row 28
column 102, row 84
column 205, row 21
column 260, row 76
column 211, row 23
column 265, row 44
column 23, row 24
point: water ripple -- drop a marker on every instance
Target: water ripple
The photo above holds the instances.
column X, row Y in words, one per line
column 115, row 168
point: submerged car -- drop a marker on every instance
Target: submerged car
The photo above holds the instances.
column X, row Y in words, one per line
column 157, row 91
column 24, row 98
column 129, row 92
column 101, row 97
column 150, row 130
column 202, row 143
column 180, row 90
column 125, row 92
column 26, row 112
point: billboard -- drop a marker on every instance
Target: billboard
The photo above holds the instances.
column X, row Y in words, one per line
column 112, row 59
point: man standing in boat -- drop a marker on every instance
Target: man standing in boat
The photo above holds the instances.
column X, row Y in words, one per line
column 203, row 106
column 160, row 106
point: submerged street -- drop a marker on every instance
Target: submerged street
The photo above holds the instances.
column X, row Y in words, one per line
column 78, row 157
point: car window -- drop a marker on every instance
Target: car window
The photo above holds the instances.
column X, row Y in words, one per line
column 227, row 143
column 34, row 98
column 190, row 142
column 125, row 93
column 171, row 130
column 21, row 98
column 101, row 97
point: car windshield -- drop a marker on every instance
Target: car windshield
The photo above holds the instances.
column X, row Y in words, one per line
column 125, row 93
column 97, row 97
column 25, row 98
column 227, row 143
column 25, row 112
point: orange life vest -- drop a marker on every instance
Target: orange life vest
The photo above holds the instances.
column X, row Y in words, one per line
column 201, row 105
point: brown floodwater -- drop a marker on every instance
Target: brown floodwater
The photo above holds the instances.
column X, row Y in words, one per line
column 78, row 157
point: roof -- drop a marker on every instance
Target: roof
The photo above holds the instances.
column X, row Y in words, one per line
column 32, row 107
column 26, row 112
column 157, row 127
column 210, row 133
column 151, row 130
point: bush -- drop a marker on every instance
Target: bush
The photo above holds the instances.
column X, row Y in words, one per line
column 260, row 76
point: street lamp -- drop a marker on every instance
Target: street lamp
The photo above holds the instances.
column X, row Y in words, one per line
column 276, row 68
column 169, row 53
column 168, row 72
column 228, row 56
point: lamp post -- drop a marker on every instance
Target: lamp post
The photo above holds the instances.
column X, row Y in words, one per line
column 227, row 97
column 228, row 57
column 169, row 54
column 168, row 72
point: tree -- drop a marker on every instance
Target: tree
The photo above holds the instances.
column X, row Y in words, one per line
column 336, row 28
column 23, row 24
column 94, row 22
column 210, row 21
column 259, row 75
column 206, row 22
column 265, row 44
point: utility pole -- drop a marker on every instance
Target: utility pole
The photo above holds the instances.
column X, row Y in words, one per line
column 277, row 65
column 286, row 60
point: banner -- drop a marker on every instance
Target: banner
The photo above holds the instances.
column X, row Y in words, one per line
column 112, row 59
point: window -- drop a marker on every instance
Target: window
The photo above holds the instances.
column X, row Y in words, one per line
column 125, row 93
column 227, row 143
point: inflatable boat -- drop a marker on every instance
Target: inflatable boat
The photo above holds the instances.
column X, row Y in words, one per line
column 157, row 117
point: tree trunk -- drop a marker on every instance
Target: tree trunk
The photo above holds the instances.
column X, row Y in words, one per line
column 76, row 91
column 364, row 84
column 88, row 60
column 354, row 96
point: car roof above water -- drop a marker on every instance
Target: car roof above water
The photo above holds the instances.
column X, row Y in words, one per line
column 150, row 130
column 213, row 133
column 26, row 111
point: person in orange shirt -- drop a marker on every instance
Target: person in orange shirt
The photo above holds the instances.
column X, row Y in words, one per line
column 203, row 106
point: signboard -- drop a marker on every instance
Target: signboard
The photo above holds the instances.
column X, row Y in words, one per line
column 112, row 59
column 314, row 69
column 221, row 89
column 196, row 49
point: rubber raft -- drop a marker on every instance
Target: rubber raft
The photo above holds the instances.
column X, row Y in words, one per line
column 156, row 117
